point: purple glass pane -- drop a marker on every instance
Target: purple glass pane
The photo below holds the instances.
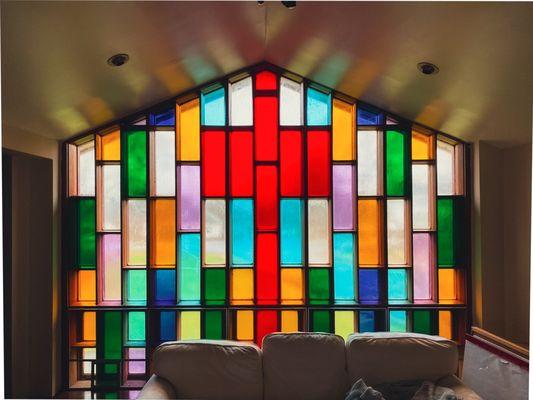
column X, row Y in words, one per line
column 136, row 367
column 343, row 197
column 422, row 266
column 189, row 197
column 110, row 264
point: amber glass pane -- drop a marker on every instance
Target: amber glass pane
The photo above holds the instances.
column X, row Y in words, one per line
column 87, row 286
column 188, row 128
column 108, row 146
column 289, row 321
column 292, row 290
column 447, row 285
column 370, row 232
column 89, row 326
column 422, row 146
column 343, row 130
column 242, row 286
column 245, row 325
column 163, row 232
column 445, row 324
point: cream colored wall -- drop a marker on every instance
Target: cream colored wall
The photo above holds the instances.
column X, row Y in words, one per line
column 29, row 143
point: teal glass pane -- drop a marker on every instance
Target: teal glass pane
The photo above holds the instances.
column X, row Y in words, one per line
column 189, row 267
column 321, row 321
column 108, row 345
column 242, row 231
column 319, row 285
column 291, row 232
column 422, row 322
column 214, row 108
column 136, row 287
column 398, row 321
column 136, row 326
column 396, row 163
column 318, row 107
column 134, row 162
column 397, row 284
column 213, row 324
column 214, row 289
column 87, row 234
column 449, row 235
column 343, row 267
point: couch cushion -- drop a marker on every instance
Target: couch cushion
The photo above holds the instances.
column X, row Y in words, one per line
column 392, row 357
column 462, row 391
column 211, row 370
column 304, row 366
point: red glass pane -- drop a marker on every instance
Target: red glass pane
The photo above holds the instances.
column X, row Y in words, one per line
column 241, row 164
column 291, row 163
column 266, row 197
column 267, row 322
column 266, row 128
column 318, row 163
column 266, row 80
column 213, row 163
column 267, row 268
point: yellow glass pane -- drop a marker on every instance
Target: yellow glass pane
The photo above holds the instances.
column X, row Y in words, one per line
column 242, row 286
column 292, row 290
column 87, row 286
column 369, row 222
column 289, row 321
column 89, row 326
column 108, row 146
column 422, row 146
column 189, row 325
column 245, row 325
column 445, row 324
column 188, row 127
column 447, row 285
column 345, row 323
column 163, row 232
column 343, row 130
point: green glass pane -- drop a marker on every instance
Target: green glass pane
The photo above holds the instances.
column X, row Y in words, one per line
column 136, row 287
column 449, row 235
column 136, row 326
column 214, row 325
column 321, row 320
column 108, row 345
column 396, row 163
column 319, row 285
column 422, row 321
column 398, row 321
column 134, row 159
column 214, row 286
column 189, row 267
column 87, row 234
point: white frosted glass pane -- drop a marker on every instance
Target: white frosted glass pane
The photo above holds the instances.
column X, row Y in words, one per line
column 88, row 353
column 318, row 231
column 421, row 213
column 214, row 232
column 241, row 110
column 136, row 232
column 86, row 169
column 367, row 163
column 110, row 267
column 445, row 168
column 396, row 232
column 111, row 197
column 290, row 104
column 165, row 161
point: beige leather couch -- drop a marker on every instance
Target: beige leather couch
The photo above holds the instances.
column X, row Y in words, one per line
column 299, row 366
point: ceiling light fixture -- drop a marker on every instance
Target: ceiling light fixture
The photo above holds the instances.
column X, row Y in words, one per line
column 118, row 60
column 289, row 4
column 427, row 68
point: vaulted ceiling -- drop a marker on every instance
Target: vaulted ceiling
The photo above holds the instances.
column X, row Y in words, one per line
column 56, row 83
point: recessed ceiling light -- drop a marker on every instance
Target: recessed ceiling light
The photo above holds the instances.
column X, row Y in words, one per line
column 118, row 60
column 427, row 68
column 289, row 4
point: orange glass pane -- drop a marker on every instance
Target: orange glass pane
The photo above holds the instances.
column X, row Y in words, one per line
column 89, row 326
column 370, row 237
column 445, row 324
column 242, row 286
column 86, row 286
column 422, row 146
column 188, row 129
column 245, row 325
column 289, row 321
column 108, row 146
column 163, row 232
column 447, row 285
column 292, row 290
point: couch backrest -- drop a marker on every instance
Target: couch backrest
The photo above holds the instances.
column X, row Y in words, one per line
column 211, row 370
column 304, row 366
column 392, row 357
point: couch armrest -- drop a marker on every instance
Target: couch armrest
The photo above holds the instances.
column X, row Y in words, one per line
column 462, row 391
column 157, row 388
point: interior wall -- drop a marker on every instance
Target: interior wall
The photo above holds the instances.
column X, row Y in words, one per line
column 29, row 143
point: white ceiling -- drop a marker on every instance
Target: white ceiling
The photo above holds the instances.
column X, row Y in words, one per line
column 56, row 83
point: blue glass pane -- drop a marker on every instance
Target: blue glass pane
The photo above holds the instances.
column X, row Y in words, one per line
column 368, row 285
column 368, row 117
column 398, row 321
column 165, row 286
column 397, row 284
column 291, row 232
column 214, row 108
column 318, row 107
column 189, row 267
column 367, row 322
column 166, row 117
column 242, row 231
column 167, row 327
column 343, row 267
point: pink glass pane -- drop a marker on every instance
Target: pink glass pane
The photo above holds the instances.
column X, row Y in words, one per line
column 110, row 265
column 343, row 197
column 136, row 367
column 189, row 197
column 422, row 271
